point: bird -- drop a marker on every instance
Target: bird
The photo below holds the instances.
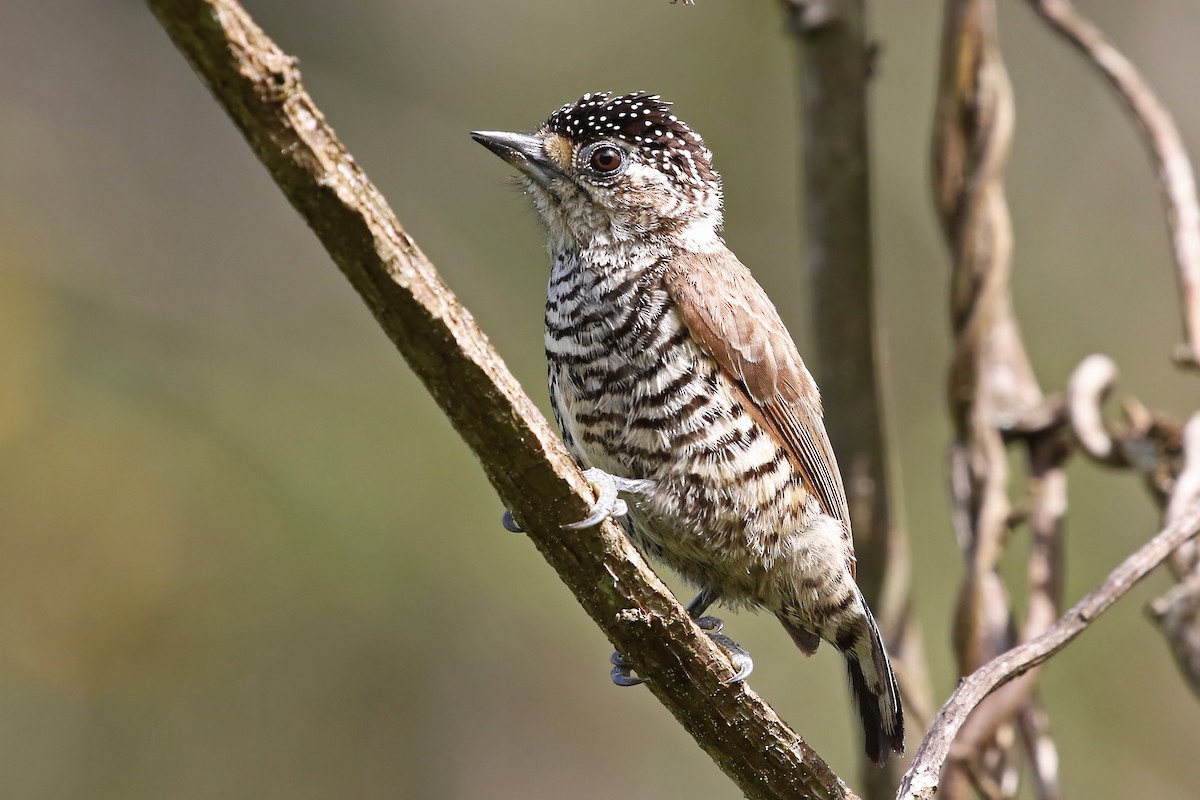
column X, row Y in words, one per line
column 679, row 390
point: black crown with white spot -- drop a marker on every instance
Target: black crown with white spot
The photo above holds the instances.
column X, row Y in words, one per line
column 644, row 121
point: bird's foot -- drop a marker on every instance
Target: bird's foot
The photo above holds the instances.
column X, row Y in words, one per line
column 743, row 664
column 622, row 671
column 509, row 523
column 607, row 505
column 741, row 661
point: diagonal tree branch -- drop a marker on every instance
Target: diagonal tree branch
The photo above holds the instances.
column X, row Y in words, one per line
column 922, row 780
column 259, row 86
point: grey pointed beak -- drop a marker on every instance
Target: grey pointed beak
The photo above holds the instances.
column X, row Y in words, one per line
column 522, row 150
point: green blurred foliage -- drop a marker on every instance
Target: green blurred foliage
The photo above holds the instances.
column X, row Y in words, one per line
column 243, row 556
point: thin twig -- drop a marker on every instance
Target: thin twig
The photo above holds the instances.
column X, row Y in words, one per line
column 1147, row 443
column 1090, row 383
column 259, row 86
column 1176, row 177
column 922, row 780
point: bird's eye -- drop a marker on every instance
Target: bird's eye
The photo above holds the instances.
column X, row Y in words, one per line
column 606, row 159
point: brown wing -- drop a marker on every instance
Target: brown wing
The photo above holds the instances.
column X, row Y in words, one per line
column 734, row 320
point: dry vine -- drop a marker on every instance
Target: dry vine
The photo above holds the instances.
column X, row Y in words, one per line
column 922, row 781
column 1152, row 444
column 1172, row 165
column 993, row 395
column 994, row 398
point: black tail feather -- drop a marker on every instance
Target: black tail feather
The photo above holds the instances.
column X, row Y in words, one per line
column 880, row 711
column 880, row 740
column 876, row 694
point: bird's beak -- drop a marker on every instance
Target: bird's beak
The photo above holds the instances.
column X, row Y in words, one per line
column 523, row 151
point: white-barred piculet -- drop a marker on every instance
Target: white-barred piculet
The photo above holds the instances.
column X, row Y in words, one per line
column 676, row 384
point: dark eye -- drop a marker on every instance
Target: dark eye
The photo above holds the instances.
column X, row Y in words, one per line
column 606, row 159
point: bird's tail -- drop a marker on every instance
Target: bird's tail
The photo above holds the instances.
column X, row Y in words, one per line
column 876, row 694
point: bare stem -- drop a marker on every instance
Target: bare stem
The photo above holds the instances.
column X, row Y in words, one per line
column 1176, row 177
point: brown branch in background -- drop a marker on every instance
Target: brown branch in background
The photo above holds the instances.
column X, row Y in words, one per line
column 1168, row 457
column 922, row 781
column 1177, row 613
column 1048, row 479
column 1041, row 752
column 1147, row 443
column 1176, row 177
column 849, row 361
column 1150, row 445
column 993, row 395
column 259, row 86
column 1089, row 386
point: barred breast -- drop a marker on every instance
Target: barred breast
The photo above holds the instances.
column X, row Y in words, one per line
column 636, row 396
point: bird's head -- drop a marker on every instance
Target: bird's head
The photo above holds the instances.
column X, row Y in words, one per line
column 608, row 170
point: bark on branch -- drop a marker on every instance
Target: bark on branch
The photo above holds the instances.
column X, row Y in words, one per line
column 259, row 86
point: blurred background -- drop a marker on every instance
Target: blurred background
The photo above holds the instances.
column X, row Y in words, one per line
column 243, row 555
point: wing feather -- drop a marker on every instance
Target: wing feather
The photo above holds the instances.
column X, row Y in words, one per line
column 732, row 318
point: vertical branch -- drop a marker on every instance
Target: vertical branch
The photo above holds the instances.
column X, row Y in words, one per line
column 992, row 390
column 836, row 59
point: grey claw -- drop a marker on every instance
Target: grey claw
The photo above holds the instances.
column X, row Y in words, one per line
column 509, row 523
column 622, row 677
column 599, row 513
column 744, row 666
column 606, row 500
column 741, row 661
column 607, row 505
column 622, row 671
